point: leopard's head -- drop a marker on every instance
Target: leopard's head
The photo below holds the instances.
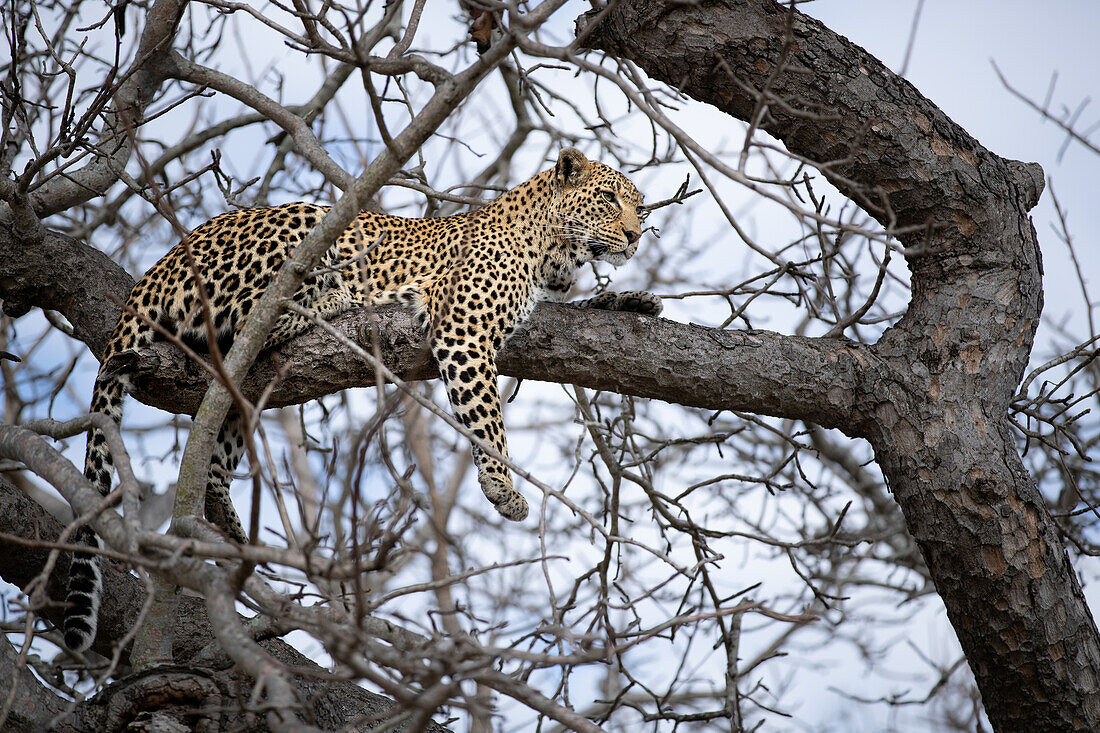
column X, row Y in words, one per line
column 597, row 209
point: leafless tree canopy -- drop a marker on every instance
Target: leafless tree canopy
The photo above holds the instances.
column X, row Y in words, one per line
column 719, row 512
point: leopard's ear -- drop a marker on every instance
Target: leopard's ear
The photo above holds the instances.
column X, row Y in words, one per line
column 572, row 168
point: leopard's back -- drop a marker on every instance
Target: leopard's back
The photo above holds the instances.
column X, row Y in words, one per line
column 236, row 255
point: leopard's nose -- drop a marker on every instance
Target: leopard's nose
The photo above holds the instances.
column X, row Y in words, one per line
column 631, row 236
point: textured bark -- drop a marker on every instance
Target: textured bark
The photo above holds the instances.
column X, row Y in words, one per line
column 808, row 379
column 32, row 705
column 333, row 703
column 934, row 401
column 67, row 276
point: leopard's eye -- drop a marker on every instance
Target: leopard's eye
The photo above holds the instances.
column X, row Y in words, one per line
column 609, row 197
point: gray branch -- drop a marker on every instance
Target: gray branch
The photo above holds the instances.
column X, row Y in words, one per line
column 931, row 396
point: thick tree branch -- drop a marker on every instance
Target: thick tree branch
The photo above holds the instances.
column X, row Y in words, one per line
column 873, row 134
column 25, row 703
column 81, row 289
column 757, row 371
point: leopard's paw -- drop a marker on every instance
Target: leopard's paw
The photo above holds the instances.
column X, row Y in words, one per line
column 605, row 301
column 509, row 502
column 631, row 301
column 639, row 301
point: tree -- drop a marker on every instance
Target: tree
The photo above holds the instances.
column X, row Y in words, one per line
column 396, row 590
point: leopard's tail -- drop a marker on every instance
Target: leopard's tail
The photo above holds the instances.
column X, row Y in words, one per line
column 85, row 578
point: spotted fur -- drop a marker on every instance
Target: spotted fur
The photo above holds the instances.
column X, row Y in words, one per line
column 471, row 279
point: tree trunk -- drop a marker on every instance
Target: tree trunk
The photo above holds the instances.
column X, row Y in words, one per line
column 934, row 402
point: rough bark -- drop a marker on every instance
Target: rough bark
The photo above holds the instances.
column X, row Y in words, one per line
column 32, row 706
column 934, row 403
column 81, row 289
column 333, row 703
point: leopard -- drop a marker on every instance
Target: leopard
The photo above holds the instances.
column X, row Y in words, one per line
column 470, row 280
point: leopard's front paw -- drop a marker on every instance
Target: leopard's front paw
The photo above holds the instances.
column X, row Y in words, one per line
column 509, row 502
column 605, row 301
column 639, row 301
column 631, row 301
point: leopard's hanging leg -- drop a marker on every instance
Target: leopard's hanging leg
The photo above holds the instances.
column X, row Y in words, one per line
column 465, row 346
column 227, row 454
column 230, row 445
